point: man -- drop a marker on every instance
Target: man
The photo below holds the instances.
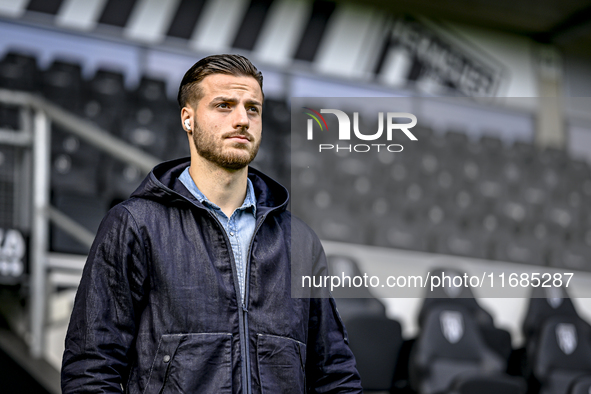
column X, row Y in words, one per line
column 187, row 285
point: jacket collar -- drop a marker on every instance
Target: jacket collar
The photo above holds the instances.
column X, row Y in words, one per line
column 163, row 185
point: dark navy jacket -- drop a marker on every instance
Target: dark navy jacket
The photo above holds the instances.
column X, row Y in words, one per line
column 158, row 309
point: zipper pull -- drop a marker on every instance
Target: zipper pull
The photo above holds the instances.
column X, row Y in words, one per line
column 244, row 308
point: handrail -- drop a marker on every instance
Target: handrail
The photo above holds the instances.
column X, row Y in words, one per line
column 84, row 129
column 75, row 230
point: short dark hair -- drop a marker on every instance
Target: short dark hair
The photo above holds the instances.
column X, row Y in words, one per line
column 216, row 64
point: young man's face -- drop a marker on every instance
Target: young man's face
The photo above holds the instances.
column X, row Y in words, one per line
column 226, row 122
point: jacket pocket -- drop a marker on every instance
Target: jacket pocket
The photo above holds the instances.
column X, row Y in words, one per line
column 192, row 363
column 281, row 364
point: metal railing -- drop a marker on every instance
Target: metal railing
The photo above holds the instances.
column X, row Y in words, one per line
column 37, row 117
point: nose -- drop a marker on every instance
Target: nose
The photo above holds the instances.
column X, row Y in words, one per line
column 240, row 118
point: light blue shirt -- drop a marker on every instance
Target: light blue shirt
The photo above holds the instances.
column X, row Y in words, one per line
column 239, row 227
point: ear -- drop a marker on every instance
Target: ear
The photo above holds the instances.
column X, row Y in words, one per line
column 187, row 114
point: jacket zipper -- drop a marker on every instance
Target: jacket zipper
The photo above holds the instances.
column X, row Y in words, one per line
column 244, row 304
column 241, row 326
column 242, row 317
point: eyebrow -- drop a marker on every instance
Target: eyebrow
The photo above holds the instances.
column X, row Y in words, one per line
column 234, row 100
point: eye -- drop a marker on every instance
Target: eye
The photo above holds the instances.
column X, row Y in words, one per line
column 223, row 105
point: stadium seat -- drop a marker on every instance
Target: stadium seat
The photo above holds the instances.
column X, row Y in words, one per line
column 467, row 170
column 522, row 152
column 562, row 354
column 456, row 141
column 63, row 85
column 394, row 231
column 108, row 119
column 450, row 346
column 375, row 341
column 18, row 71
column 150, row 93
column 119, row 179
column 490, row 186
column 572, row 255
column 179, row 145
column 490, row 225
column 10, row 117
column 107, row 87
column 521, row 248
column 277, row 112
column 533, row 193
column 461, row 242
column 513, row 211
column 334, row 222
column 400, row 174
column 446, row 294
column 577, row 174
column 75, row 164
column 545, row 302
column 497, row 339
column 491, row 146
column 147, row 130
column 553, row 157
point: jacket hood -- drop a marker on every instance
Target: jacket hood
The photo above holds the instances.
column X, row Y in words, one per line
column 163, row 185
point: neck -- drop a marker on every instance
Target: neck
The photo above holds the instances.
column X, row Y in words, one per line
column 225, row 188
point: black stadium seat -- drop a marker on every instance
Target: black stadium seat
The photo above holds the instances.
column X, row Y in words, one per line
column 145, row 129
column 491, row 146
column 63, row 85
column 451, row 348
column 75, row 164
column 10, row 117
column 18, row 71
column 375, row 341
column 446, row 295
column 496, row 338
column 400, row 233
column 456, row 141
column 335, row 223
column 107, row 87
column 545, row 302
column 573, row 254
column 462, row 242
column 120, row 179
column 521, row 248
column 562, row 354
column 151, row 93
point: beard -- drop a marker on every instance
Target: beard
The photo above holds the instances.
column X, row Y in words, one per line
column 232, row 156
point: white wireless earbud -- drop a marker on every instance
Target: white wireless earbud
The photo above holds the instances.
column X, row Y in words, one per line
column 188, row 124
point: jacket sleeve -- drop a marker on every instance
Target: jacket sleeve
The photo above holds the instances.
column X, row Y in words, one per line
column 110, row 298
column 330, row 364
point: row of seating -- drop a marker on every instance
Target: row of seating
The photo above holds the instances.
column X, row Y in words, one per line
column 460, row 350
column 447, row 194
column 481, row 236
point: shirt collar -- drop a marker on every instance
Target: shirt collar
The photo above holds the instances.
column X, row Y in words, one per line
column 187, row 180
